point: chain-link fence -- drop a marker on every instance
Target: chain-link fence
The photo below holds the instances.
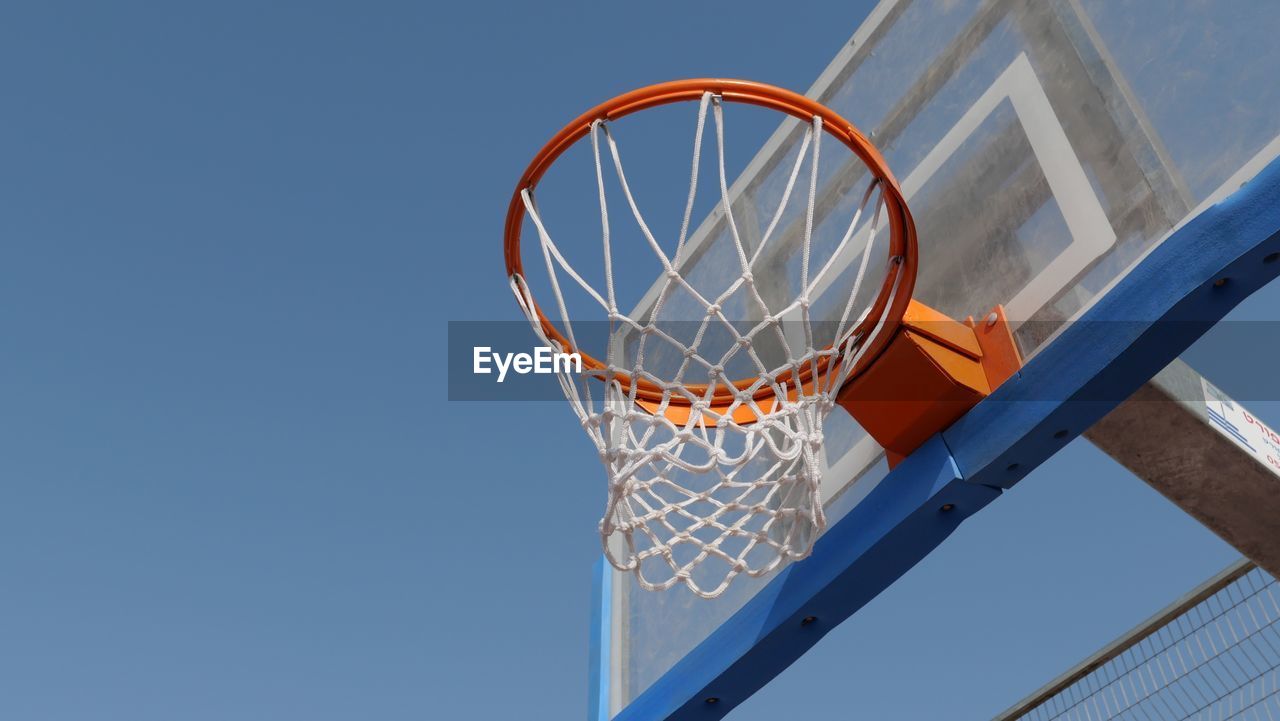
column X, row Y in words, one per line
column 1213, row 655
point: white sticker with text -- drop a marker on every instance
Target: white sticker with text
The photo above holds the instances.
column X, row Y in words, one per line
column 1242, row 427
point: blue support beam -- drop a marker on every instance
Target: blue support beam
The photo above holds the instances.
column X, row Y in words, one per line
column 1173, row 296
column 601, row 656
column 1153, row 314
column 905, row 517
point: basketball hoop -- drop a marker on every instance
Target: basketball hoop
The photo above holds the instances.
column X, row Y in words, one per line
column 712, row 476
column 895, row 293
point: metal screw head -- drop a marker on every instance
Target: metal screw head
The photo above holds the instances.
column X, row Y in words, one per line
column 713, row 699
column 948, row 507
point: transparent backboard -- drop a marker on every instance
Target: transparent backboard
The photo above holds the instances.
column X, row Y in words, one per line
column 1044, row 147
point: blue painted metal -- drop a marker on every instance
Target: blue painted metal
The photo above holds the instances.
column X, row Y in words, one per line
column 1154, row 313
column 601, row 641
column 897, row 524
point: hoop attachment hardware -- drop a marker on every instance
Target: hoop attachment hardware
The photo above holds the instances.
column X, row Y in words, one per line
column 933, row 371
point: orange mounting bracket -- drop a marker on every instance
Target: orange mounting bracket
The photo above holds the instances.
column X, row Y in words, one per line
column 932, row 372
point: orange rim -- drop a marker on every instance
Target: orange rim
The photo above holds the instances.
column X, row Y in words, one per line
column 902, row 232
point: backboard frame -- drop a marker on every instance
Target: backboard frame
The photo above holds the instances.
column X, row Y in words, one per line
column 1129, row 335
column 1152, row 314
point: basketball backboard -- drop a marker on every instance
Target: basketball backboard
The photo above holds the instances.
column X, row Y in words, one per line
column 1065, row 158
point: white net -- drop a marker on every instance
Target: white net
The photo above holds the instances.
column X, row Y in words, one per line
column 710, row 478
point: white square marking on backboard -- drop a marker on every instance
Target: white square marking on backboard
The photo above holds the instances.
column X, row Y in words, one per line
column 1086, row 219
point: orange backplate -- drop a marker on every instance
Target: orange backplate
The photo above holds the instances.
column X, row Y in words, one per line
column 934, row 370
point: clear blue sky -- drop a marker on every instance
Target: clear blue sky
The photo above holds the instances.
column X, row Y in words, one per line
column 232, row 485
